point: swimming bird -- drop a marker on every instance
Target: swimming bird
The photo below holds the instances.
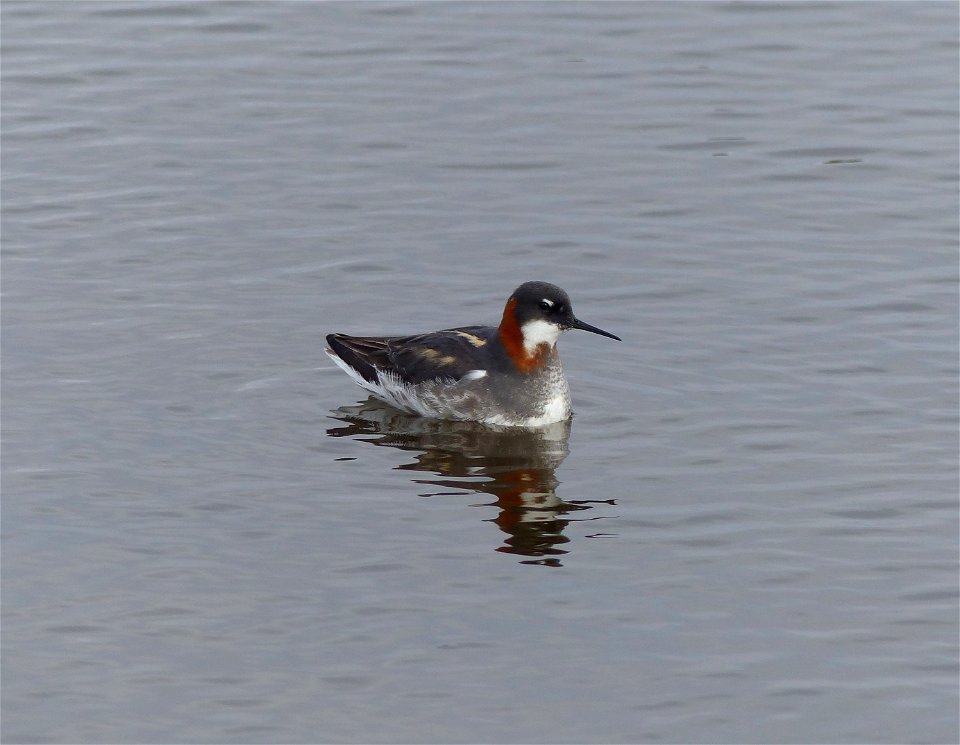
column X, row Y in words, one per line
column 507, row 375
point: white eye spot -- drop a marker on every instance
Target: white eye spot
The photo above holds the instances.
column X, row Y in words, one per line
column 546, row 304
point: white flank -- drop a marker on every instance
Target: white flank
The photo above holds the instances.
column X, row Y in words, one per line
column 539, row 332
column 357, row 378
column 434, row 399
column 448, row 400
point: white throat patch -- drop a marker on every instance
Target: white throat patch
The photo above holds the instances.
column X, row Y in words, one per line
column 539, row 332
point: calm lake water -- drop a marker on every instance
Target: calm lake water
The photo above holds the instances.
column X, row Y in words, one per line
column 748, row 533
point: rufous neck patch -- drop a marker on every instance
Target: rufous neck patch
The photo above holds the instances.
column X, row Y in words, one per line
column 512, row 339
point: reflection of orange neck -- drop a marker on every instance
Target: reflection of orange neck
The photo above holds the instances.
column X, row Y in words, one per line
column 512, row 490
column 511, row 336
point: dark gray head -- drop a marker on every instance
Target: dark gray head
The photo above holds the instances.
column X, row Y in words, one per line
column 542, row 310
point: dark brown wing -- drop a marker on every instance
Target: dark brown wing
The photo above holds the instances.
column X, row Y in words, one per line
column 451, row 353
column 362, row 353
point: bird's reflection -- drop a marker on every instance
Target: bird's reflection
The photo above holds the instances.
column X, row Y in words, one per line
column 516, row 466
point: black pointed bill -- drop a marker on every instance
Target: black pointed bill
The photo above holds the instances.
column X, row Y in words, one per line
column 578, row 324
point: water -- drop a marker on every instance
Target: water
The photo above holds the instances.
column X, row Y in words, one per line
column 749, row 531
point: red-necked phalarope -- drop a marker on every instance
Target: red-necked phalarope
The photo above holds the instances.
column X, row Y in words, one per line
column 509, row 375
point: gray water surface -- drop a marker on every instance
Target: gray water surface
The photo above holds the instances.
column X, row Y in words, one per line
column 747, row 533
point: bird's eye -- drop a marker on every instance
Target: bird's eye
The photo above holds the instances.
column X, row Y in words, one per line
column 546, row 305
